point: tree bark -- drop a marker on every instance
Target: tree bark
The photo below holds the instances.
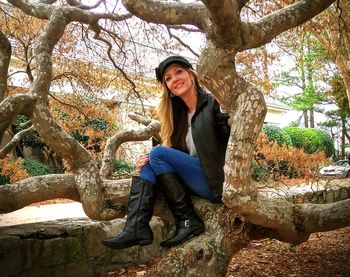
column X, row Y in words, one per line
column 15, row 105
column 343, row 132
column 14, row 141
column 306, row 119
column 5, row 57
column 208, row 254
column 312, row 118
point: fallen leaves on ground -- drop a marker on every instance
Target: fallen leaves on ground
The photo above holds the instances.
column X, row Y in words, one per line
column 323, row 255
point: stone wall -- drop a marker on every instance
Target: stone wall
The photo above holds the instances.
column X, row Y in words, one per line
column 69, row 247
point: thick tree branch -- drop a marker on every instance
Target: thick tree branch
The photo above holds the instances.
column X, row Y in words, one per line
column 87, row 179
column 35, row 189
column 14, row 141
column 208, row 254
column 325, row 217
column 39, row 10
column 13, row 106
column 5, row 57
column 267, row 28
column 47, row 1
column 115, row 141
column 44, row 11
column 278, row 209
column 224, row 15
column 169, row 13
column 41, row 188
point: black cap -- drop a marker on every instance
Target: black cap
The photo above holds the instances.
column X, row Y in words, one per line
column 168, row 61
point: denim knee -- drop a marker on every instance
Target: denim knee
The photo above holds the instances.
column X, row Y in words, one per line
column 156, row 151
column 158, row 159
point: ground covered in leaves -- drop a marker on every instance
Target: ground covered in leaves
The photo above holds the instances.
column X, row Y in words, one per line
column 323, row 255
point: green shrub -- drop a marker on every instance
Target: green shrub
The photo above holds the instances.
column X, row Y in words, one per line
column 311, row 140
column 328, row 142
column 35, row 168
column 277, row 134
column 122, row 166
column 28, row 140
column 4, row 180
column 260, row 174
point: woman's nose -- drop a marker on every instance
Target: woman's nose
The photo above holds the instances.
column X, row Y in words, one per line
column 175, row 79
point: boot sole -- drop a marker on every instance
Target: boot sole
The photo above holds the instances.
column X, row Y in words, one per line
column 194, row 233
column 126, row 245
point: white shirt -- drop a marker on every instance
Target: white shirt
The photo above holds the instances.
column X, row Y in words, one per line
column 189, row 139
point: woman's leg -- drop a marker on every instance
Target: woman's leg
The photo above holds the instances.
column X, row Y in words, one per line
column 148, row 174
column 137, row 231
column 167, row 160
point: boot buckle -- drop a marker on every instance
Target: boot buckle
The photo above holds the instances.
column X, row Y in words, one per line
column 187, row 223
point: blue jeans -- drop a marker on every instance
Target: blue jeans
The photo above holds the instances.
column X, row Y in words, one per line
column 164, row 159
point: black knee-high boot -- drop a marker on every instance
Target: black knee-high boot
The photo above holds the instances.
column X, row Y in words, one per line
column 140, row 210
column 188, row 224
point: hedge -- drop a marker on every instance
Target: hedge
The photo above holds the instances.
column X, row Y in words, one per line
column 277, row 134
column 311, row 140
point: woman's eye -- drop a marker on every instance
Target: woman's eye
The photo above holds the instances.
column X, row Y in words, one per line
column 167, row 79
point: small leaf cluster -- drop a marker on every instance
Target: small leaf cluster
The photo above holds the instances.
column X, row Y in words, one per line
column 122, row 167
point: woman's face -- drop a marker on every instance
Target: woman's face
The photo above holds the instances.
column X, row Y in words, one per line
column 178, row 80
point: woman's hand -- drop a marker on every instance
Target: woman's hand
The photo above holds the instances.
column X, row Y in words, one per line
column 142, row 161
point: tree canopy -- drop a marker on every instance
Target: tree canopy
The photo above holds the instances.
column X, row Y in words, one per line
column 108, row 37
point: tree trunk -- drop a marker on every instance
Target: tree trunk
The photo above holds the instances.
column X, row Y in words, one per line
column 312, row 118
column 306, row 119
column 208, row 254
column 343, row 131
column 5, row 57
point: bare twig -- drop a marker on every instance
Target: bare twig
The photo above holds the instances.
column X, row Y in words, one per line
column 182, row 42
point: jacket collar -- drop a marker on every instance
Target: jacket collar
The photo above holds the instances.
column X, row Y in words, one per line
column 202, row 99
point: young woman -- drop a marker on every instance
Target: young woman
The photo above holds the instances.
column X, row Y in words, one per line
column 190, row 160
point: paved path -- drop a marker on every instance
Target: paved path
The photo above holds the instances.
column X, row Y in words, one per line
column 40, row 213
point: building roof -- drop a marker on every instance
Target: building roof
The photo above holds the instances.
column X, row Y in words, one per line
column 276, row 104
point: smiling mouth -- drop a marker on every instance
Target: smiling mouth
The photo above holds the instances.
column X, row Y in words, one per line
column 178, row 86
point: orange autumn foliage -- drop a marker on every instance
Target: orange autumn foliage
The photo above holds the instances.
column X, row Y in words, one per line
column 287, row 162
column 87, row 120
column 13, row 169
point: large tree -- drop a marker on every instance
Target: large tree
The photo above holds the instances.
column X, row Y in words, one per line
column 334, row 35
column 227, row 34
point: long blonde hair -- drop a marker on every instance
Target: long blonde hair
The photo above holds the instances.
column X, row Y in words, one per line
column 166, row 113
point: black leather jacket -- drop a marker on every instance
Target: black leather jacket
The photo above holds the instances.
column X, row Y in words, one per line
column 210, row 132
